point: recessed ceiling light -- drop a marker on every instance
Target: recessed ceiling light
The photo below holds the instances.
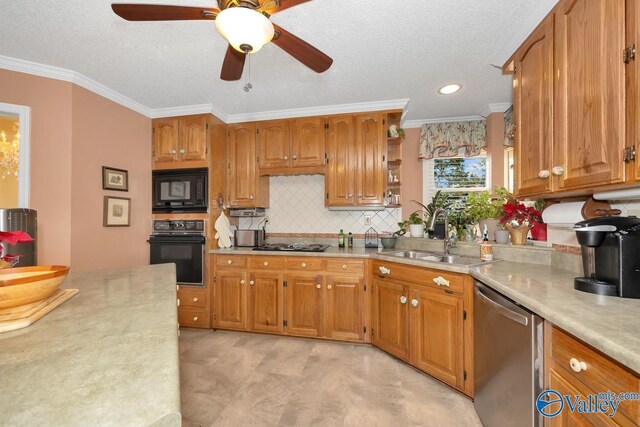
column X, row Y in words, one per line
column 449, row 89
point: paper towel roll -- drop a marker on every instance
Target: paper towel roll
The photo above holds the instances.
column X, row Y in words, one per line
column 563, row 214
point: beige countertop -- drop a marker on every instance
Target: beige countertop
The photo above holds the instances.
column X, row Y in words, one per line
column 108, row 356
column 609, row 324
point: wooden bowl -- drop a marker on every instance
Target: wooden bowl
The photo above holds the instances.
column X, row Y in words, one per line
column 26, row 285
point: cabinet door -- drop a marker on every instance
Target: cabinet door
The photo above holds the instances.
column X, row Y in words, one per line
column 304, row 305
column 567, row 418
column 242, row 166
column 266, row 302
column 230, row 300
column 341, row 161
column 307, row 142
column 391, row 318
column 193, row 138
column 344, row 298
column 437, row 335
column 533, row 108
column 371, row 155
column 273, row 144
column 633, row 88
column 590, row 92
column 165, row 140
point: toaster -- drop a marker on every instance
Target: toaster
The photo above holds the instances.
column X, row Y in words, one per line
column 249, row 238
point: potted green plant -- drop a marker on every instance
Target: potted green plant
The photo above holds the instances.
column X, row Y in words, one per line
column 502, row 235
column 486, row 208
column 463, row 225
column 439, row 200
column 414, row 224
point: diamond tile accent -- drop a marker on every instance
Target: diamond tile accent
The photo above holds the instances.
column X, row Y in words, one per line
column 297, row 206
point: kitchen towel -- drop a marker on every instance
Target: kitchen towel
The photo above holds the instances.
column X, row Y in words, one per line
column 223, row 231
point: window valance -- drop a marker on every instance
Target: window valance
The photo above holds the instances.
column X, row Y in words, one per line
column 452, row 139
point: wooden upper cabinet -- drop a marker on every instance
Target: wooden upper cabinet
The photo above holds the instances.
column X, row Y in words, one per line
column 304, row 304
column 533, row 109
column 266, row 300
column 344, row 298
column 273, row 141
column 371, row 152
column 165, row 139
column 437, row 335
column 391, row 318
column 590, row 93
column 230, row 300
column 341, row 161
column 307, row 142
column 242, row 174
column 633, row 89
column 192, row 141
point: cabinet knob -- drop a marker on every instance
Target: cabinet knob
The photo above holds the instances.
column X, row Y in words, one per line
column 294, row 157
column 544, row 174
column 178, row 302
column 173, row 151
column 182, row 151
column 577, row 365
column 328, row 286
column 558, row 170
column 251, row 282
column 350, row 195
column 318, row 286
column 251, row 197
column 195, row 318
column 229, row 262
column 403, row 300
column 266, row 263
column 384, row 270
column 441, row 281
column 304, row 265
column 344, row 266
column 195, row 299
column 285, row 158
column 414, row 302
column 242, row 282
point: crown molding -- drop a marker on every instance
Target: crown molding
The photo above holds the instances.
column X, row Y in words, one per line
column 187, row 110
column 495, row 108
column 49, row 71
column 412, row 124
column 525, row 28
column 395, row 104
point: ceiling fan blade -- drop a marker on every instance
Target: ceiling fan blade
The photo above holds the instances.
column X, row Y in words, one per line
column 286, row 4
column 233, row 65
column 153, row 12
column 302, row 51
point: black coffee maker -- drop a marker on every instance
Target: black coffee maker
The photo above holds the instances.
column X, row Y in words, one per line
column 610, row 256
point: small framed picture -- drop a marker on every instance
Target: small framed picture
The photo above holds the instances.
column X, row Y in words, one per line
column 115, row 179
column 117, row 212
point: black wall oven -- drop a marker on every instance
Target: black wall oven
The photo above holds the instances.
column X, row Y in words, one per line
column 180, row 190
column 182, row 243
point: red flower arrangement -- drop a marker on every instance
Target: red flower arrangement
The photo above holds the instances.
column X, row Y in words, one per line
column 517, row 214
column 12, row 238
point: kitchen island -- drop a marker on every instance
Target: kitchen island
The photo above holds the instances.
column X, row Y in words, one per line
column 108, row 356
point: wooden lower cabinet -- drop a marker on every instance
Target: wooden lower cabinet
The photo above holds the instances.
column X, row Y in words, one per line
column 344, row 300
column 230, row 300
column 266, row 302
column 391, row 318
column 193, row 304
column 304, row 305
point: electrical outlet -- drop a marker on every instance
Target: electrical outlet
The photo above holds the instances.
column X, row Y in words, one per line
column 367, row 220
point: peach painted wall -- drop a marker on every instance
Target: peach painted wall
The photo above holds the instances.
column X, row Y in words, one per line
column 411, row 172
column 50, row 193
column 495, row 148
column 108, row 134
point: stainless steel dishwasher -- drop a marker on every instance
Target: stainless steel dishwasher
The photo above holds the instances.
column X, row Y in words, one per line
column 508, row 357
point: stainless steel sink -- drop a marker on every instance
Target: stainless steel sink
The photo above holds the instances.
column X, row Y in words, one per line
column 436, row 257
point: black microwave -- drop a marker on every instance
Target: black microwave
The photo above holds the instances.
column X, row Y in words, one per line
column 180, row 190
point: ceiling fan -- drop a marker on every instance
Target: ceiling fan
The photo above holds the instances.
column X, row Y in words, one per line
column 244, row 24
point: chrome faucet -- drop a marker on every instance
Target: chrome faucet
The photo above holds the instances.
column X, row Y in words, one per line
column 448, row 241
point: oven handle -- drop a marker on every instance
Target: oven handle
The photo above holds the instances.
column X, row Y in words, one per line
column 177, row 239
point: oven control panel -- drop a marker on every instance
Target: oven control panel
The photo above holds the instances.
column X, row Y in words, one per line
column 179, row 226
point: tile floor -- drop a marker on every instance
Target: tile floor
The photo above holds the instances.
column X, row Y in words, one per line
column 242, row 379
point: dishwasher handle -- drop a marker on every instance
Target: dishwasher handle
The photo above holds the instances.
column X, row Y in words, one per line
column 516, row 317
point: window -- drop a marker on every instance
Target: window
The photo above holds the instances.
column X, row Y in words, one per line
column 456, row 176
column 14, row 156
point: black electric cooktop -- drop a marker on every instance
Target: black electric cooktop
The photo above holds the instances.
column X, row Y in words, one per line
column 296, row 247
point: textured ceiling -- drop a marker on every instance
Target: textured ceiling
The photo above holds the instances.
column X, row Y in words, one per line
column 382, row 50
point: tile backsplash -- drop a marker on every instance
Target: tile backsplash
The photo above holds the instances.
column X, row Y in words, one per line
column 297, row 206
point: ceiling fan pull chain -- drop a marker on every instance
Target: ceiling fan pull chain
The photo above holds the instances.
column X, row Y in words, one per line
column 248, row 86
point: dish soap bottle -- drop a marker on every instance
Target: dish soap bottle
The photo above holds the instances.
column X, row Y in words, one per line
column 341, row 238
column 350, row 240
column 486, row 249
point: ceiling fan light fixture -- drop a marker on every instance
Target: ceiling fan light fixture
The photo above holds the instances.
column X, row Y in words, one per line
column 449, row 89
column 245, row 29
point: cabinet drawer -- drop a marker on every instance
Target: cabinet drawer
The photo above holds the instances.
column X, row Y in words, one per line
column 231, row 261
column 345, row 266
column 192, row 297
column 266, row 263
column 305, row 264
column 424, row 276
column 192, row 317
column 600, row 375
